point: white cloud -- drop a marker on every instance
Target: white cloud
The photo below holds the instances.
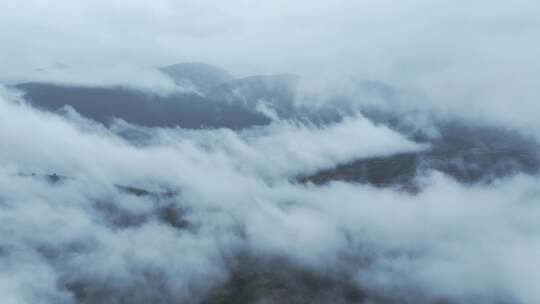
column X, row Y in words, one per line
column 464, row 243
column 235, row 191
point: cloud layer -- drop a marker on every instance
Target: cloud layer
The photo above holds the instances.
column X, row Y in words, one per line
column 128, row 214
column 208, row 196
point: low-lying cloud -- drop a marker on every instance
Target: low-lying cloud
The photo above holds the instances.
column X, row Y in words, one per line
column 208, row 196
column 122, row 213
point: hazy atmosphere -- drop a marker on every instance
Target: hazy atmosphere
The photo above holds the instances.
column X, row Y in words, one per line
column 214, row 152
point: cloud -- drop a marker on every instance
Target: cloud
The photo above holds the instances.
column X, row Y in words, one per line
column 99, row 242
column 204, row 198
column 236, row 191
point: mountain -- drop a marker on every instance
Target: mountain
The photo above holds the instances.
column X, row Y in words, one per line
column 105, row 103
column 274, row 95
column 275, row 91
column 468, row 153
column 202, row 77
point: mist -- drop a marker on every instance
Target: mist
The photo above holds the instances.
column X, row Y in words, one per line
column 210, row 152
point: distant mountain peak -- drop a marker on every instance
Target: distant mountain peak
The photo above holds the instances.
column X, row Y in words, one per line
column 201, row 76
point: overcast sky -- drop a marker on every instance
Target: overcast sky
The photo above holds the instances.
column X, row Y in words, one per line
column 359, row 37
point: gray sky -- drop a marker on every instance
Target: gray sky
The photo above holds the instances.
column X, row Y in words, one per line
column 360, row 37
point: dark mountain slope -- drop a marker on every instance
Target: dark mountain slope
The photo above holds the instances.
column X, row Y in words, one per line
column 468, row 153
column 200, row 75
column 277, row 94
column 102, row 104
